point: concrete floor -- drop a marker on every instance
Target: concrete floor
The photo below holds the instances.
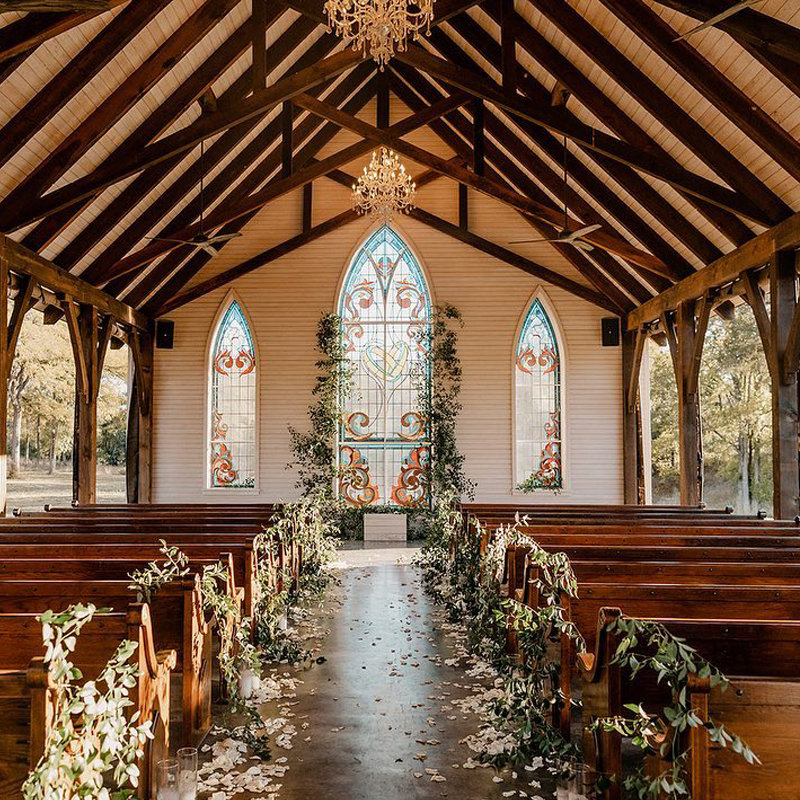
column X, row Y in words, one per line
column 378, row 712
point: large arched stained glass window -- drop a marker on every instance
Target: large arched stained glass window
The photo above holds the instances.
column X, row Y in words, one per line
column 232, row 423
column 537, row 377
column 385, row 310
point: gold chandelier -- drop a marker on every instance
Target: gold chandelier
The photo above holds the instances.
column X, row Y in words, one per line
column 378, row 26
column 384, row 188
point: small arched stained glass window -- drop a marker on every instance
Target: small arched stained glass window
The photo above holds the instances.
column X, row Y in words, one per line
column 383, row 440
column 537, row 380
column 232, row 423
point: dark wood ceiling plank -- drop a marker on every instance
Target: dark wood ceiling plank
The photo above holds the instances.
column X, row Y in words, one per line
column 68, row 81
column 180, row 99
column 28, row 32
column 208, row 125
column 506, row 169
column 661, row 106
column 668, row 171
column 633, row 183
column 179, row 275
column 607, row 111
column 483, row 184
column 761, row 31
column 105, row 115
column 721, row 92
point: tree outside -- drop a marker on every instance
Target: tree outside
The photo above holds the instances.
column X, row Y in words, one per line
column 41, row 408
column 735, row 417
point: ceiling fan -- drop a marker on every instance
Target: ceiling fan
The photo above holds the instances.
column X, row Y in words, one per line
column 201, row 239
column 565, row 235
column 717, row 18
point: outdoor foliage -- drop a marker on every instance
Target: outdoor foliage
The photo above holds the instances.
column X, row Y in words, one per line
column 735, row 413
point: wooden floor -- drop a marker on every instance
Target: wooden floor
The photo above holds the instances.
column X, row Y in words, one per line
column 383, row 696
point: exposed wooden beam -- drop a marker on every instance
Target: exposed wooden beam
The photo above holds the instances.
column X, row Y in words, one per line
column 188, row 137
column 478, row 136
column 233, row 273
column 632, row 388
column 512, row 258
column 508, row 44
column 228, row 212
column 58, row 6
column 463, row 207
column 382, row 98
column 101, row 118
column 482, row 184
column 287, row 146
column 721, row 92
column 672, row 116
column 595, row 185
column 728, row 268
column 188, row 179
column 553, row 118
column 22, row 304
column 308, row 206
column 258, row 26
column 748, row 26
column 45, row 273
column 35, row 28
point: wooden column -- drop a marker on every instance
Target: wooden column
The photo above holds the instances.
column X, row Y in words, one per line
column 633, row 344
column 686, row 333
column 140, row 419
column 89, row 337
column 778, row 329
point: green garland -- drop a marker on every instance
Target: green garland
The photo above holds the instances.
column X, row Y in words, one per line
column 673, row 662
column 148, row 580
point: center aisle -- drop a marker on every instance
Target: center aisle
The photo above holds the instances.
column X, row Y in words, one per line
column 382, row 718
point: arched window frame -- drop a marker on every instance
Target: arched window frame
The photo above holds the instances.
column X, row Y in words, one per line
column 343, row 281
column 540, row 296
column 231, row 298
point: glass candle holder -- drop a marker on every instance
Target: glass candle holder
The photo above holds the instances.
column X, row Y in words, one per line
column 167, row 786
column 187, row 773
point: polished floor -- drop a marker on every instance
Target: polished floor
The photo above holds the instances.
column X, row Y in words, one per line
column 380, row 717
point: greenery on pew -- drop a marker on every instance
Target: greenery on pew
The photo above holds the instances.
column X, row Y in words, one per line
column 645, row 644
column 90, row 736
column 468, row 584
column 148, row 580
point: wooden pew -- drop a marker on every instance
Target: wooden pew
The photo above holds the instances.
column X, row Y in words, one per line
column 762, row 706
column 24, row 685
column 178, row 620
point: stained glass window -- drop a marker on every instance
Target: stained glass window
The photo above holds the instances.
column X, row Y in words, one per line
column 385, row 310
column 537, row 376
column 232, row 423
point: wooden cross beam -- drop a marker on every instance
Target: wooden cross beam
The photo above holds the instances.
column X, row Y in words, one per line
column 228, row 212
column 481, row 183
column 756, row 253
column 555, row 120
column 186, row 138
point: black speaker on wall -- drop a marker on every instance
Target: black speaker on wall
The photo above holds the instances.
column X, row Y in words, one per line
column 610, row 331
column 165, row 333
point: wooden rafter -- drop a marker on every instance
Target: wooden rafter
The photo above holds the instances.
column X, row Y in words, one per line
column 727, row 269
column 186, row 138
column 668, row 171
column 481, row 183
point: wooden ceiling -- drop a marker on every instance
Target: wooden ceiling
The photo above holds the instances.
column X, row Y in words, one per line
column 680, row 150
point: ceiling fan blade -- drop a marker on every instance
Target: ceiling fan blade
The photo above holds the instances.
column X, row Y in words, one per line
column 207, row 247
column 581, row 245
column 529, row 241
column 223, row 237
column 717, row 18
column 585, row 231
column 167, row 239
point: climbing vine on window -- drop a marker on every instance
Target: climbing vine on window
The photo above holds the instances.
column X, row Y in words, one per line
column 384, row 443
column 537, row 383
column 232, row 422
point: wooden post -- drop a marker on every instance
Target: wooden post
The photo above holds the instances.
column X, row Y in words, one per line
column 463, row 207
column 89, row 338
column 633, row 343
column 140, row 419
column 778, row 329
column 686, row 336
column 5, row 369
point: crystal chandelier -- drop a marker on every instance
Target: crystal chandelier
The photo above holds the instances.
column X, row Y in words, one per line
column 378, row 26
column 384, row 189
